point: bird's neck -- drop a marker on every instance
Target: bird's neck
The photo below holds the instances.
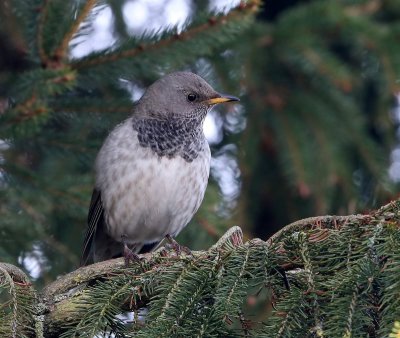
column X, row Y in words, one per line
column 175, row 136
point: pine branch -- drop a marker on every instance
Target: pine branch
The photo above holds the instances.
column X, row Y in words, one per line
column 39, row 92
column 9, row 280
column 60, row 52
column 18, row 312
column 16, row 274
column 39, row 35
column 214, row 23
column 323, row 272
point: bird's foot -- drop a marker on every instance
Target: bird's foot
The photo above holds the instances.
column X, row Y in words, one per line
column 130, row 256
column 177, row 247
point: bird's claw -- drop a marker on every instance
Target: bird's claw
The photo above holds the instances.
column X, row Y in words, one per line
column 130, row 256
column 178, row 248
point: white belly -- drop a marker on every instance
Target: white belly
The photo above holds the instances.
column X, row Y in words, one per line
column 146, row 197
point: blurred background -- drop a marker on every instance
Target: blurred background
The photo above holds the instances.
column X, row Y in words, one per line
column 316, row 131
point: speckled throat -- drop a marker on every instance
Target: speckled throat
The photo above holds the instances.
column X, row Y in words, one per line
column 171, row 137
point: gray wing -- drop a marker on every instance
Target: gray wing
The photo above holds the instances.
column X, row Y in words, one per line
column 95, row 223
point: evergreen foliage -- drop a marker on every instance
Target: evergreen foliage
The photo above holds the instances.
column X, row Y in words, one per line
column 332, row 276
column 320, row 80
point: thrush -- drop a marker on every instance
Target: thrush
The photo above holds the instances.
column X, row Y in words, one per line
column 152, row 170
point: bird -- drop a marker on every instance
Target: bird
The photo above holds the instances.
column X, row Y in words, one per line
column 152, row 170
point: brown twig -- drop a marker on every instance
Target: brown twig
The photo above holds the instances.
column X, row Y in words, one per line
column 28, row 109
column 95, row 271
column 39, row 36
column 63, row 47
column 17, row 275
column 208, row 227
column 250, row 7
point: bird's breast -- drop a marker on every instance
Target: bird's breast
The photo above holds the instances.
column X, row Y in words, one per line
column 146, row 196
column 172, row 137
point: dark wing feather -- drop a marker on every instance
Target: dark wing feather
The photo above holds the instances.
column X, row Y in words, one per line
column 95, row 221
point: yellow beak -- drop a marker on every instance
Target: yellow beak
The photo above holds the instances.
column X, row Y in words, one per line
column 221, row 99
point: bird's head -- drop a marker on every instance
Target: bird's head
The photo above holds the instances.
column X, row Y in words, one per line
column 181, row 95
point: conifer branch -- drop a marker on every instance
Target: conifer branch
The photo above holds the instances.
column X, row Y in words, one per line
column 244, row 9
column 28, row 109
column 239, row 277
column 179, row 283
column 62, row 49
column 309, row 270
column 39, row 37
column 351, row 311
column 83, row 275
column 9, row 280
column 320, row 223
column 23, row 299
column 17, row 275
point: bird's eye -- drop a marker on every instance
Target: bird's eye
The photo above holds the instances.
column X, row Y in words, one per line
column 191, row 97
